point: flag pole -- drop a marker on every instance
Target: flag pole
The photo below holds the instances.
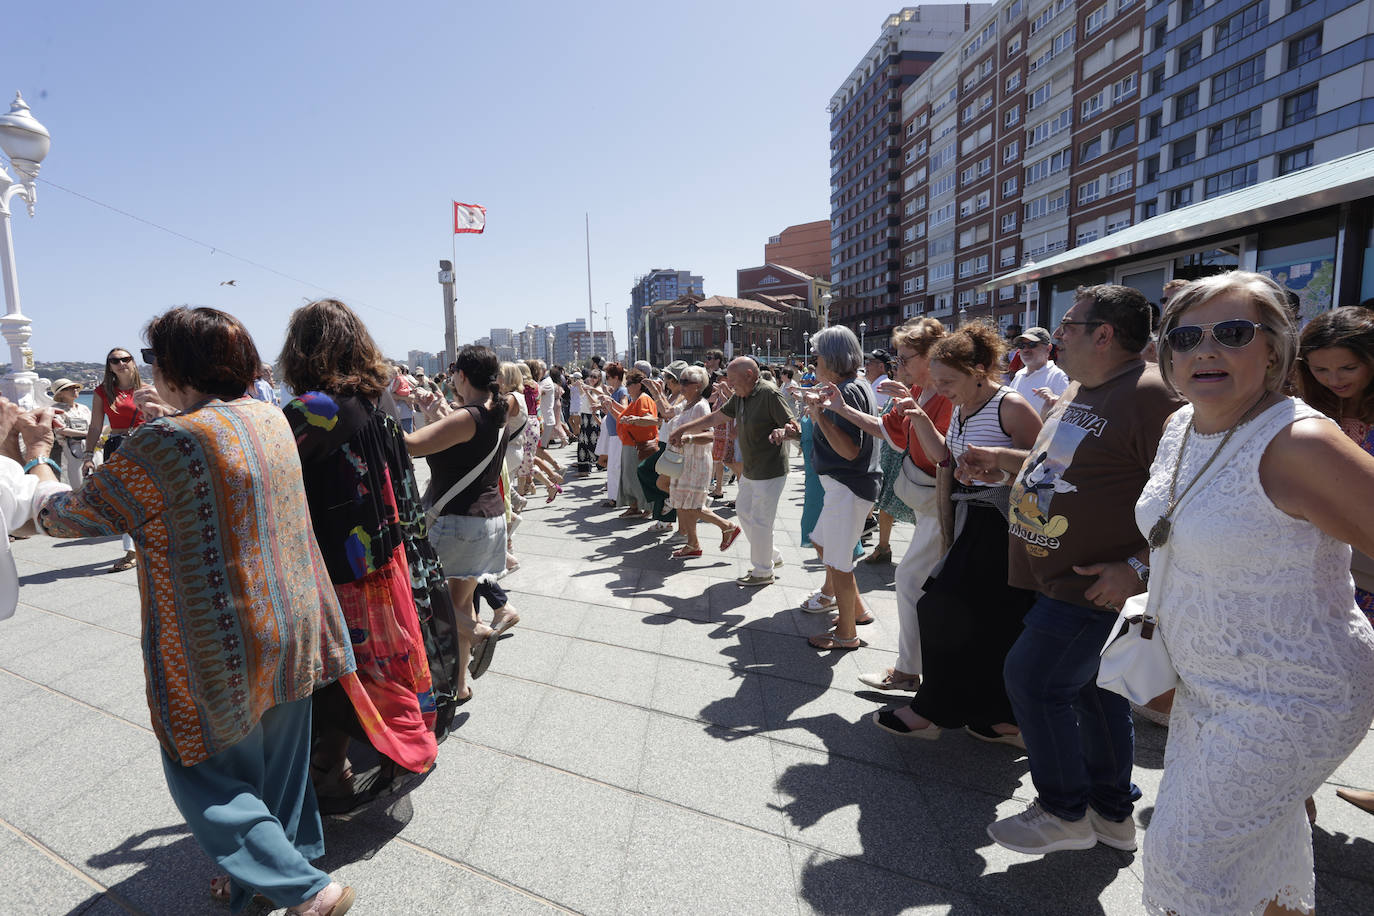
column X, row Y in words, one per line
column 591, row 319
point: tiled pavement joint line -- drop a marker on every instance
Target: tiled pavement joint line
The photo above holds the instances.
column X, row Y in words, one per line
column 76, row 700
column 62, row 863
column 654, row 799
column 95, row 626
column 486, row 876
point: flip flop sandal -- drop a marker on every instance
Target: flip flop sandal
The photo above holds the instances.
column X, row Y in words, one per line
column 730, row 537
column 835, row 644
column 126, row 563
column 501, row 631
column 481, row 657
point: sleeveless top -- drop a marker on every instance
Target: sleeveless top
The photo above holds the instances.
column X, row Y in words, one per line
column 1276, row 677
column 122, row 414
column 982, row 428
column 482, row 497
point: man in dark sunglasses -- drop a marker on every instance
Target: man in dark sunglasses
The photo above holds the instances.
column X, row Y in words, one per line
column 1075, row 542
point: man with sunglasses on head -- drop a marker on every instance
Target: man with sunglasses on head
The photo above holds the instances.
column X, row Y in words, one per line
column 1075, row 542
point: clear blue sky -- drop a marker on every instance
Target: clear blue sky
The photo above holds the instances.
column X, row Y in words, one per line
column 326, row 141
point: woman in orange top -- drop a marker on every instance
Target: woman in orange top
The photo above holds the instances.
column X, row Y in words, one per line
column 636, row 424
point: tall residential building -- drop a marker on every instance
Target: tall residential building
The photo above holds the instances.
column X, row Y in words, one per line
column 535, row 342
column 563, row 342
column 865, row 158
column 804, row 247
column 1239, row 93
column 658, row 284
column 503, row 342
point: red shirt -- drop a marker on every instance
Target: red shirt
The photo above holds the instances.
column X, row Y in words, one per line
column 897, row 427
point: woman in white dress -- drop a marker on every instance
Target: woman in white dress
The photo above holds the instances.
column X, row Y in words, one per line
column 687, row 491
column 1275, row 663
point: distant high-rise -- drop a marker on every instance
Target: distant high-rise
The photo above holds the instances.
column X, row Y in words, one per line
column 866, row 159
column 658, row 284
column 804, row 247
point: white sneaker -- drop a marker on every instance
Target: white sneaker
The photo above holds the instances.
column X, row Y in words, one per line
column 818, row 603
column 1035, row 832
column 1116, row 834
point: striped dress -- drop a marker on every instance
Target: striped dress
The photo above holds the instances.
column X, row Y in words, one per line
column 239, row 614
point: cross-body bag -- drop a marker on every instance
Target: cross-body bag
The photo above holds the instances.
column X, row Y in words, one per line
column 433, row 507
column 913, row 486
column 1135, row 662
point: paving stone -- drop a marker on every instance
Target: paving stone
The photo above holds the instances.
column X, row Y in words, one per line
column 35, row 884
column 681, row 862
column 558, row 736
column 838, row 886
column 827, row 720
column 608, row 671
column 726, row 697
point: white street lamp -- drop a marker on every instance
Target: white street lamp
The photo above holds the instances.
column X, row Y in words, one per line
column 1030, row 322
column 670, row 330
column 863, row 326
column 769, row 343
column 825, row 309
column 806, row 342
column 549, row 338
column 729, row 337
column 25, row 142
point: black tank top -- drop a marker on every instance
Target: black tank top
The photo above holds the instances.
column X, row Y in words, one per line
column 482, row 497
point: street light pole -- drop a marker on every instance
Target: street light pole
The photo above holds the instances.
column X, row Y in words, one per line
column 1029, row 322
column 825, row 306
column 863, row 326
column 806, row 342
column 670, row 330
column 25, row 142
column 729, row 337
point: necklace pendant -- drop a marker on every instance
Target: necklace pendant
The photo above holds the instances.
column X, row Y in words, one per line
column 1159, row 534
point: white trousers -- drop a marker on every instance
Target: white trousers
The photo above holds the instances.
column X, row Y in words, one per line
column 921, row 556
column 613, row 469
column 756, row 509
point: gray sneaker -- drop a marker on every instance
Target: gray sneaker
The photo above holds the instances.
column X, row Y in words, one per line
column 753, row 580
column 1035, row 832
column 1116, row 834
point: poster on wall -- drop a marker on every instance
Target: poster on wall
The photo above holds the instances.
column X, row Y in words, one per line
column 1313, row 281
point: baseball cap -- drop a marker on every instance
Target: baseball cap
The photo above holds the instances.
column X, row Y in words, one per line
column 879, row 354
column 1033, row 337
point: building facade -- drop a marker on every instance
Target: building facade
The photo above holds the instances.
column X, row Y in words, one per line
column 659, row 284
column 804, row 247
column 866, row 159
column 737, row 326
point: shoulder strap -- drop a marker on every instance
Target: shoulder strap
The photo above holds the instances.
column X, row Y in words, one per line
column 432, row 515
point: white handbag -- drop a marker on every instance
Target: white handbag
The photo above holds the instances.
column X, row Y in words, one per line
column 914, row 487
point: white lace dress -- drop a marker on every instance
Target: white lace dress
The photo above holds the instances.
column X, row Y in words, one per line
column 1276, row 681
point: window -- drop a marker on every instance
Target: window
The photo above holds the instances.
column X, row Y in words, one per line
column 1180, row 197
column 942, row 215
column 1118, row 224
column 1009, row 222
column 1090, row 150
column 1233, row 131
column 1123, row 135
column 1008, row 258
column 1092, row 106
column 1157, row 80
column 941, row 158
column 1011, row 151
column 1046, row 129
column 1307, row 46
column 1121, row 181
column 909, row 235
column 1190, row 55
column 1236, row 79
column 1050, row 203
column 943, row 271
column 1064, row 40
column 1014, row 46
column 1183, row 151
column 1096, row 19
column 1188, row 9
column 1249, row 20
column 1159, row 34
column 1013, row 116
column 1009, row 187
column 1123, row 89
column 920, row 229
column 908, row 286
column 1153, row 125
column 1050, row 165
column 942, row 186
column 1300, row 106
column 1089, row 191
column 1295, row 159
column 1039, row 97
column 1149, row 209
column 1014, row 82
column 1151, row 169
column 1231, row 180
column 1185, row 103
column 1084, row 236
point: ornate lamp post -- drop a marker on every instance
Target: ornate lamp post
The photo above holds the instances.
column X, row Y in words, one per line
column 729, row 337
column 769, row 345
column 825, row 310
column 863, row 326
column 25, row 142
column 806, row 342
column 670, row 330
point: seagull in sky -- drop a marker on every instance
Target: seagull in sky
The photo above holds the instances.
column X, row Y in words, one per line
column 228, row 283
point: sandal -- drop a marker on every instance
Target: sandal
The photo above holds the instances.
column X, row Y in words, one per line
column 887, row 720
column 499, row 630
column 128, row 562
column 633, row 513
column 819, row 602
column 221, row 891
column 481, row 656
column 729, row 537
column 553, row 494
column 829, row 642
column 686, row 553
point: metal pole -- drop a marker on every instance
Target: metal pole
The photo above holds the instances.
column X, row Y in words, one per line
column 591, row 317
column 450, row 331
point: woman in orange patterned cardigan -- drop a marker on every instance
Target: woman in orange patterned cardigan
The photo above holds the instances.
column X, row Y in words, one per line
column 240, row 622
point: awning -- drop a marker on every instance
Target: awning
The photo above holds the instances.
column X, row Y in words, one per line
column 1335, row 182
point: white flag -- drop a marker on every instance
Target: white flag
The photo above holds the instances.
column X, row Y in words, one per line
column 469, row 217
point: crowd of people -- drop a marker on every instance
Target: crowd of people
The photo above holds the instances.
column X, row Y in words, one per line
column 313, row 620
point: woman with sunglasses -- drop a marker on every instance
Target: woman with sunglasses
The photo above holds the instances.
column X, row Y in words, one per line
column 113, row 400
column 1275, row 663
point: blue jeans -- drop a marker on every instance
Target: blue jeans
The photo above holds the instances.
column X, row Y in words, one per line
column 1079, row 737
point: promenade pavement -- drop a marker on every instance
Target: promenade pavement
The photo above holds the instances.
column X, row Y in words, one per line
column 653, row 739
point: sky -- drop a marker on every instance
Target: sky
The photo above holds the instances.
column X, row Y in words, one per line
column 324, row 142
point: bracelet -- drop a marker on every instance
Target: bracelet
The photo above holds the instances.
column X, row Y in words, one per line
column 1005, row 478
column 56, row 468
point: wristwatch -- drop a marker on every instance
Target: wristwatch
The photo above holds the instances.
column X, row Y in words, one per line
column 1141, row 569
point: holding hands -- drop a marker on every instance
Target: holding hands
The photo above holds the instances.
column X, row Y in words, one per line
column 979, row 465
column 894, row 389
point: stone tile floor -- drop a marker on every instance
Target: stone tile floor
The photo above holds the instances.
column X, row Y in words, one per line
column 653, row 739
